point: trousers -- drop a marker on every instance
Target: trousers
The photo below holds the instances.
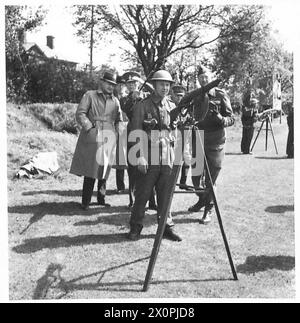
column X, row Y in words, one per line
column 157, row 177
column 246, row 139
column 88, row 189
column 214, row 144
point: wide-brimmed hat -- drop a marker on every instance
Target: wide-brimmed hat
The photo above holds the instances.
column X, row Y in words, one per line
column 110, row 78
column 162, row 75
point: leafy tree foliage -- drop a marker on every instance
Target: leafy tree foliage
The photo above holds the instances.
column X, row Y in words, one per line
column 86, row 21
column 18, row 20
column 159, row 31
column 251, row 56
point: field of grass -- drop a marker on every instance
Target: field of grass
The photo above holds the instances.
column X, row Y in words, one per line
column 50, row 237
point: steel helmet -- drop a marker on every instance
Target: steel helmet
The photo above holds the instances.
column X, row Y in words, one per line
column 162, row 75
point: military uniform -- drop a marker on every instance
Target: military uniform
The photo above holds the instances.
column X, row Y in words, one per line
column 218, row 117
column 249, row 117
column 290, row 140
column 159, row 171
column 127, row 104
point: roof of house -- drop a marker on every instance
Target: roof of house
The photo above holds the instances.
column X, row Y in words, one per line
column 47, row 52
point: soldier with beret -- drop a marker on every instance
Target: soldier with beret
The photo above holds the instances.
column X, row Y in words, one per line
column 151, row 118
column 218, row 117
column 98, row 114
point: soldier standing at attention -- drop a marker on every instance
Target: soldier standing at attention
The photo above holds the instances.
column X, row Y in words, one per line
column 156, row 155
column 218, row 117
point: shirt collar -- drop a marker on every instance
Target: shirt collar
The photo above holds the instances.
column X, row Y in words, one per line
column 110, row 96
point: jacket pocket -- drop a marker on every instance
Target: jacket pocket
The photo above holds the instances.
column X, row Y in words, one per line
column 91, row 136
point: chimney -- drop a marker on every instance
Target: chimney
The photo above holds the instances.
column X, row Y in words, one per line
column 50, row 42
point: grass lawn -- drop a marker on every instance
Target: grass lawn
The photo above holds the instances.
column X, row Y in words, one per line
column 49, row 236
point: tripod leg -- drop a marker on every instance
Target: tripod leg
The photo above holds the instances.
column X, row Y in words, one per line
column 257, row 135
column 220, row 221
column 271, row 128
column 162, row 224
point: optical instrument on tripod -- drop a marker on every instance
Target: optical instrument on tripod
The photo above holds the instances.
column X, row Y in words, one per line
column 265, row 117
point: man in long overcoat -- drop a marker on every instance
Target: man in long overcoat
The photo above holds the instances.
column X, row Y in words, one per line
column 98, row 114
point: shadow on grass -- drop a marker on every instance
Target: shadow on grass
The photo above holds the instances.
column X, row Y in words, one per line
column 52, row 276
column 68, row 193
column 280, row 208
column 54, row 242
column 266, row 157
column 63, row 209
column 233, row 154
column 255, row 264
column 119, row 286
column 76, row 284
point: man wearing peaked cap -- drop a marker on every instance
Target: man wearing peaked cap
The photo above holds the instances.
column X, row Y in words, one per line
column 132, row 80
column 177, row 93
column 131, row 76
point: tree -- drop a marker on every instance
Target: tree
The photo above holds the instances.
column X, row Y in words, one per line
column 251, row 56
column 158, row 32
column 87, row 19
column 18, row 20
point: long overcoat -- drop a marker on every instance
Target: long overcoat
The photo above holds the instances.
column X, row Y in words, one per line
column 98, row 115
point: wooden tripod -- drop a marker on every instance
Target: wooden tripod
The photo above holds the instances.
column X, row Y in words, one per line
column 269, row 127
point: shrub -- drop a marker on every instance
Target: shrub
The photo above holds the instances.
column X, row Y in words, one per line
column 57, row 117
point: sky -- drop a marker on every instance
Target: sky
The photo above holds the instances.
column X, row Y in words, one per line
column 58, row 23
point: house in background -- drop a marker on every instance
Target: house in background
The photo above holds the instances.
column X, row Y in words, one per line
column 41, row 53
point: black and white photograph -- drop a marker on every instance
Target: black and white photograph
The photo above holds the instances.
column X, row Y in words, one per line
column 149, row 153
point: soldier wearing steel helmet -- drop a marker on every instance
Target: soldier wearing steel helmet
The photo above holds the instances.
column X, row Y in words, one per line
column 156, row 155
